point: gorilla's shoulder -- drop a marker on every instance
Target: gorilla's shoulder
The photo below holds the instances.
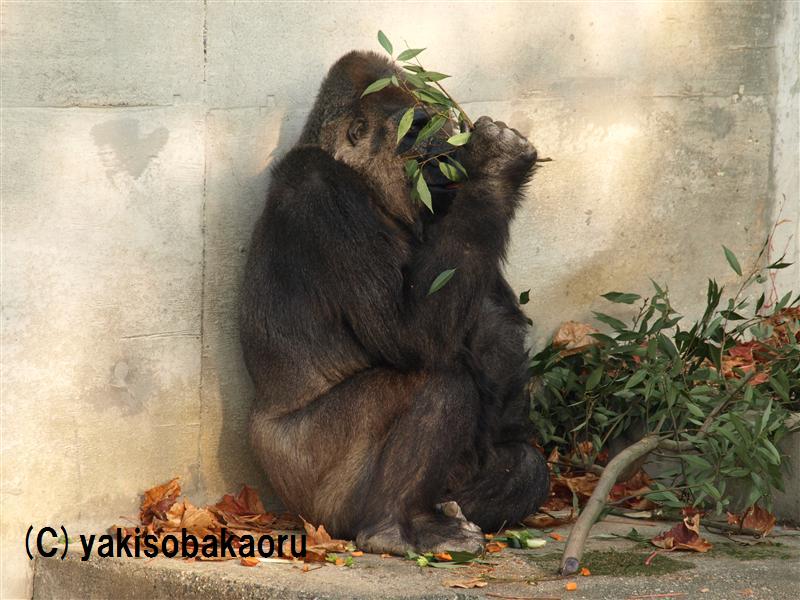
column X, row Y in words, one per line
column 310, row 175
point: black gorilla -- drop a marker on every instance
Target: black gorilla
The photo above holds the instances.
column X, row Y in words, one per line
column 384, row 412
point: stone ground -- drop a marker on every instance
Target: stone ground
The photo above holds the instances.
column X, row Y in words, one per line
column 768, row 570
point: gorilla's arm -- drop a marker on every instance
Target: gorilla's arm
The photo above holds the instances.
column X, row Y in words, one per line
column 332, row 246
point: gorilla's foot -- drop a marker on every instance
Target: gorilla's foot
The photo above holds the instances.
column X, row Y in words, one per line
column 440, row 533
column 383, row 539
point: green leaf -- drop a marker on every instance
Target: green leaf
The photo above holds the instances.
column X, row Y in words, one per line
column 450, row 171
column 419, row 83
column 441, row 280
column 732, row 261
column 411, row 167
column 620, row 297
column 695, row 410
column 779, row 265
column 409, row 54
column 636, row 379
column 384, row 41
column 377, row 86
column 432, row 75
column 459, row 139
column 524, row 297
column 594, row 378
column 457, row 165
column 434, row 125
column 424, row 193
column 405, row 124
column 609, row 320
column 431, row 96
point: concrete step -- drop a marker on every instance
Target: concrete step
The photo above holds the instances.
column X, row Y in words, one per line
column 768, row 570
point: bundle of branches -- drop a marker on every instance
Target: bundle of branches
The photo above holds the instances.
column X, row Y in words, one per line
column 714, row 399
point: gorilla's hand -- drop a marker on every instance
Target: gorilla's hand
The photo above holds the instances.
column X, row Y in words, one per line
column 498, row 152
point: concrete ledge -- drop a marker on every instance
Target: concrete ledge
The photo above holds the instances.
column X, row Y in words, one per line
column 766, row 571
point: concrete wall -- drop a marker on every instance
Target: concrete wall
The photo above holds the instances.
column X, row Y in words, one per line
column 135, row 143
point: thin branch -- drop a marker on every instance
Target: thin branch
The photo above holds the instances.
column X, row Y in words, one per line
column 570, row 563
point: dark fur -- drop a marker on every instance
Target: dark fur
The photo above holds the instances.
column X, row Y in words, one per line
column 376, row 402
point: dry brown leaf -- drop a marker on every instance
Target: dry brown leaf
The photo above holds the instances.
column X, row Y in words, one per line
column 246, row 502
column 320, row 538
column 633, row 491
column 158, row 500
column 545, row 520
column 684, row 536
column 574, row 337
column 315, row 555
column 466, row 584
column 756, row 518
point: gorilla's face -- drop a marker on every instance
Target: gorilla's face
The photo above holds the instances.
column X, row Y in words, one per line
column 427, row 151
column 367, row 142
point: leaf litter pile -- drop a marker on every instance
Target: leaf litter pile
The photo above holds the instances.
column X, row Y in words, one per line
column 163, row 512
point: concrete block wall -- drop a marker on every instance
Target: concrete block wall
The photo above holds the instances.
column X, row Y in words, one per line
column 136, row 142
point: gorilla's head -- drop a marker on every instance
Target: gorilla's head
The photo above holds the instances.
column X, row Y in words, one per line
column 362, row 131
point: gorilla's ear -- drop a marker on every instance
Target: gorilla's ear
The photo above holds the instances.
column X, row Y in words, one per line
column 357, row 130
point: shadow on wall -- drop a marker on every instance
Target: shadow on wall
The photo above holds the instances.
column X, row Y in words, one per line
column 243, row 145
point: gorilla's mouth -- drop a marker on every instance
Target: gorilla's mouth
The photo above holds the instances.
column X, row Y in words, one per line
column 427, row 151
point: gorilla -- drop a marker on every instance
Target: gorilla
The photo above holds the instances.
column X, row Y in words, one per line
column 393, row 416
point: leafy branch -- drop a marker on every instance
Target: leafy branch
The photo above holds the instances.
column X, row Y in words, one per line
column 715, row 398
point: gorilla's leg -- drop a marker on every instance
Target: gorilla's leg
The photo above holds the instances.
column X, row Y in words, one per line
column 370, row 458
column 511, row 484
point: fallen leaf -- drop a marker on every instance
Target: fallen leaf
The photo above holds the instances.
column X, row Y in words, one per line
column 632, row 493
column 249, row 561
column 574, row 337
column 158, row 500
column 465, row 583
column 319, row 538
column 546, row 520
column 315, row 555
column 683, row 536
column 756, row 518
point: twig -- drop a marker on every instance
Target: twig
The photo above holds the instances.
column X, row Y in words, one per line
column 735, row 529
column 668, row 595
column 573, row 551
column 493, row 595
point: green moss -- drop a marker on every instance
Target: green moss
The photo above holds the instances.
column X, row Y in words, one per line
column 618, row 564
column 761, row 551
